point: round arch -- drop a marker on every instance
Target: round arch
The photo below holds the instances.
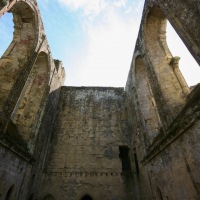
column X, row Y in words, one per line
column 86, row 197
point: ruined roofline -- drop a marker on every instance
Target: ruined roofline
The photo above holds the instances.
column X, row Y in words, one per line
column 92, row 87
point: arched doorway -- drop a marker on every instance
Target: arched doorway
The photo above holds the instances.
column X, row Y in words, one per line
column 10, row 193
column 49, row 197
column 86, row 197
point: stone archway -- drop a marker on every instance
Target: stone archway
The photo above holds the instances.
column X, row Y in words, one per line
column 162, row 63
column 86, row 197
column 22, row 45
column 146, row 102
column 28, row 111
column 19, row 58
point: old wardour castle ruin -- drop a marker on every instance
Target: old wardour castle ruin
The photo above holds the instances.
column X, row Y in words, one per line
column 99, row 143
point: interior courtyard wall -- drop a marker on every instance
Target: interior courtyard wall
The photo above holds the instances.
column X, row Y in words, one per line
column 168, row 167
column 89, row 129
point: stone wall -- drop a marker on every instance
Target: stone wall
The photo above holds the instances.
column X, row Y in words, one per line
column 107, row 143
column 89, row 129
column 163, row 114
column 29, row 92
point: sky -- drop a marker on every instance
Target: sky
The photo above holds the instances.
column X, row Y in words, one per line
column 95, row 40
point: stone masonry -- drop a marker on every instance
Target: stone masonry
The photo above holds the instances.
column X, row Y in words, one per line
column 85, row 151
column 140, row 142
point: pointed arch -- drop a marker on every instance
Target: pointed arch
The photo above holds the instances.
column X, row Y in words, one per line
column 162, row 62
column 18, row 59
column 12, row 61
column 28, row 111
column 146, row 102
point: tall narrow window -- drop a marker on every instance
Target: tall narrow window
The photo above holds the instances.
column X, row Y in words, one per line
column 188, row 65
column 125, row 159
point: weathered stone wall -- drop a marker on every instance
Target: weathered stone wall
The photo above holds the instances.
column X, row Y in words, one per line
column 14, row 170
column 90, row 126
column 29, row 92
column 65, row 143
column 163, row 114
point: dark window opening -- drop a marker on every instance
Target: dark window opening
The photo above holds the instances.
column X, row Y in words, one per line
column 136, row 163
column 86, row 197
column 125, row 159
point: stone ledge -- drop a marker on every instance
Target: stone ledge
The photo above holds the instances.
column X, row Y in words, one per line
column 16, row 150
column 188, row 116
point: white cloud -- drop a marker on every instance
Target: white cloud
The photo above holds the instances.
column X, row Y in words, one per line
column 88, row 7
column 92, row 7
column 107, row 39
column 120, row 3
column 108, row 57
column 129, row 10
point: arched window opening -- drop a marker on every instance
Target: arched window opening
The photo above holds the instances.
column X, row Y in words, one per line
column 13, row 59
column 146, row 101
column 6, row 31
column 171, row 85
column 10, row 193
column 49, row 197
column 86, row 197
column 187, row 65
column 28, row 111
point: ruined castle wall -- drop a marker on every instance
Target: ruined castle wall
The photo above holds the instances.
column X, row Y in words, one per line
column 184, row 16
column 168, row 164
column 14, row 173
column 30, row 88
column 90, row 127
column 175, row 172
